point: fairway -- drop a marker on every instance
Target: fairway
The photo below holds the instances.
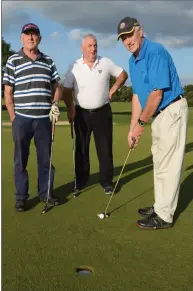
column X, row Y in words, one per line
column 40, row 252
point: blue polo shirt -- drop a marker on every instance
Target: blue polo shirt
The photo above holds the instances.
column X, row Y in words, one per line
column 154, row 69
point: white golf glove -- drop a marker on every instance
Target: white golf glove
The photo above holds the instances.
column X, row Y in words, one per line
column 54, row 112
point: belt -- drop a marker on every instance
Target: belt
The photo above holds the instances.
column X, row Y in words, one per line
column 91, row 110
column 173, row 101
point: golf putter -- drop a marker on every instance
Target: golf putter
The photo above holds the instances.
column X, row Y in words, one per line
column 105, row 214
column 75, row 192
column 47, row 207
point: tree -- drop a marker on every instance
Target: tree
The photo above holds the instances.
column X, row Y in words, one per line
column 116, row 95
column 188, row 92
column 188, row 88
column 6, row 52
column 130, row 93
column 124, row 94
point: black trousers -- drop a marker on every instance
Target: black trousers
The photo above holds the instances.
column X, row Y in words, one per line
column 100, row 123
column 24, row 129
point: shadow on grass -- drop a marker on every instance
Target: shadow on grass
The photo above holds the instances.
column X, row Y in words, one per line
column 130, row 200
column 132, row 176
column 190, row 168
column 31, row 203
column 185, row 196
column 141, row 167
column 189, row 147
column 132, row 166
column 64, row 192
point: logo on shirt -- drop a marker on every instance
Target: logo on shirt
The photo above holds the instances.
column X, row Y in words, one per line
column 100, row 71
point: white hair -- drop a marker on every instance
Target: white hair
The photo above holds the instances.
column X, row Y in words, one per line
column 87, row 36
column 137, row 29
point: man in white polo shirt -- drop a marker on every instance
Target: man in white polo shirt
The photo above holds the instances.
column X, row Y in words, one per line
column 89, row 76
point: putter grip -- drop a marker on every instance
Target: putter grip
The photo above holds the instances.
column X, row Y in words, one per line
column 72, row 132
column 133, row 143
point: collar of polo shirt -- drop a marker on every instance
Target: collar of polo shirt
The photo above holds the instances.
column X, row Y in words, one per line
column 142, row 51
column 81, row 60
column 22, row 54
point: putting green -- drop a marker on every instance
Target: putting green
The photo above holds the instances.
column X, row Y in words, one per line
column 42, row 252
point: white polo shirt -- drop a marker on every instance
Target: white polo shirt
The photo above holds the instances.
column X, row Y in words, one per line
column 91, row 86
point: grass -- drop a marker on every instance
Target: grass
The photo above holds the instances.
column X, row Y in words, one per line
column 121, row 111
column 41, row 252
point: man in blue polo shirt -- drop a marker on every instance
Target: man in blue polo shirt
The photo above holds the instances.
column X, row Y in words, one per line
column 157, row 94
column 31, row 96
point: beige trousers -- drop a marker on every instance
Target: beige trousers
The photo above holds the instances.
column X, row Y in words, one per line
column 169, row 130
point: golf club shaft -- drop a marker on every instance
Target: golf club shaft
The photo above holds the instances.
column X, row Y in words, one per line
column 120, row 175
column 73, row 152
column 72, row 131
column 50, row 166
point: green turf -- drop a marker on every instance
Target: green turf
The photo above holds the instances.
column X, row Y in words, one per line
column 41, row 252
column 121, row 111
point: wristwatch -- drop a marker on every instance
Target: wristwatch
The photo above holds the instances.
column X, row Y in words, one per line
column 141, row 122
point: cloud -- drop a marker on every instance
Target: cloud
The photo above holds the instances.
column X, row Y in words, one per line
column 12, row 18
column 103, row 40
column 55, row 34
column 106, row 41
column 164, row 19
column 172, row 41
column 187, row 80
column 75, row 34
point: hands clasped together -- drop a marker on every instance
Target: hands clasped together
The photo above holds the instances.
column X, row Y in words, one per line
column 135, row 134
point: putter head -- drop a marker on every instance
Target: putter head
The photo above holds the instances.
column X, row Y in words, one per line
column 103, row 215
column 75, row 193
column 47, row 208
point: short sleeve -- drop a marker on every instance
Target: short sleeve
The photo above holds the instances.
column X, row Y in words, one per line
column 68, row 81
column 114, row 70
column 9, row 74
column 132, row 81
column 55, row 77
column 158, row 71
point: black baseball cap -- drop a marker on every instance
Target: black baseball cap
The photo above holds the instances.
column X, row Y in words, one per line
column 30, row 26
column 127, row 25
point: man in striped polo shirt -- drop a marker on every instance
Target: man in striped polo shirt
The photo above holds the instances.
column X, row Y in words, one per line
column 31, row 97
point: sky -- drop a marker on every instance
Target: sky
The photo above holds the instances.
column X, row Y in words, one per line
column 64, row 23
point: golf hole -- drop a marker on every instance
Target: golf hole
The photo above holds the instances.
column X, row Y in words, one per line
column 84, row 270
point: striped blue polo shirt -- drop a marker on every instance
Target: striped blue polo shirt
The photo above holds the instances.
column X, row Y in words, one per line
column 32, row 83
column 152, row 70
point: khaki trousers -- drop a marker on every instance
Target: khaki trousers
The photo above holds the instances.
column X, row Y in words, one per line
column 169, row 131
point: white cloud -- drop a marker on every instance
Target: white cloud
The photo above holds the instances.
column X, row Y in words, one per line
column 55, row 34
column 75, row 34
column 103, row 40
column 187, row 80
column 190, row 12
column 107, row 40
column 173, row 41
column 170, row 19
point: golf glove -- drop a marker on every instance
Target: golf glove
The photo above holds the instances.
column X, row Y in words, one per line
column 54, row 112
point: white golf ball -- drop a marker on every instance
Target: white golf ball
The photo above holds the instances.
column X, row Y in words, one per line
column 101, row 215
